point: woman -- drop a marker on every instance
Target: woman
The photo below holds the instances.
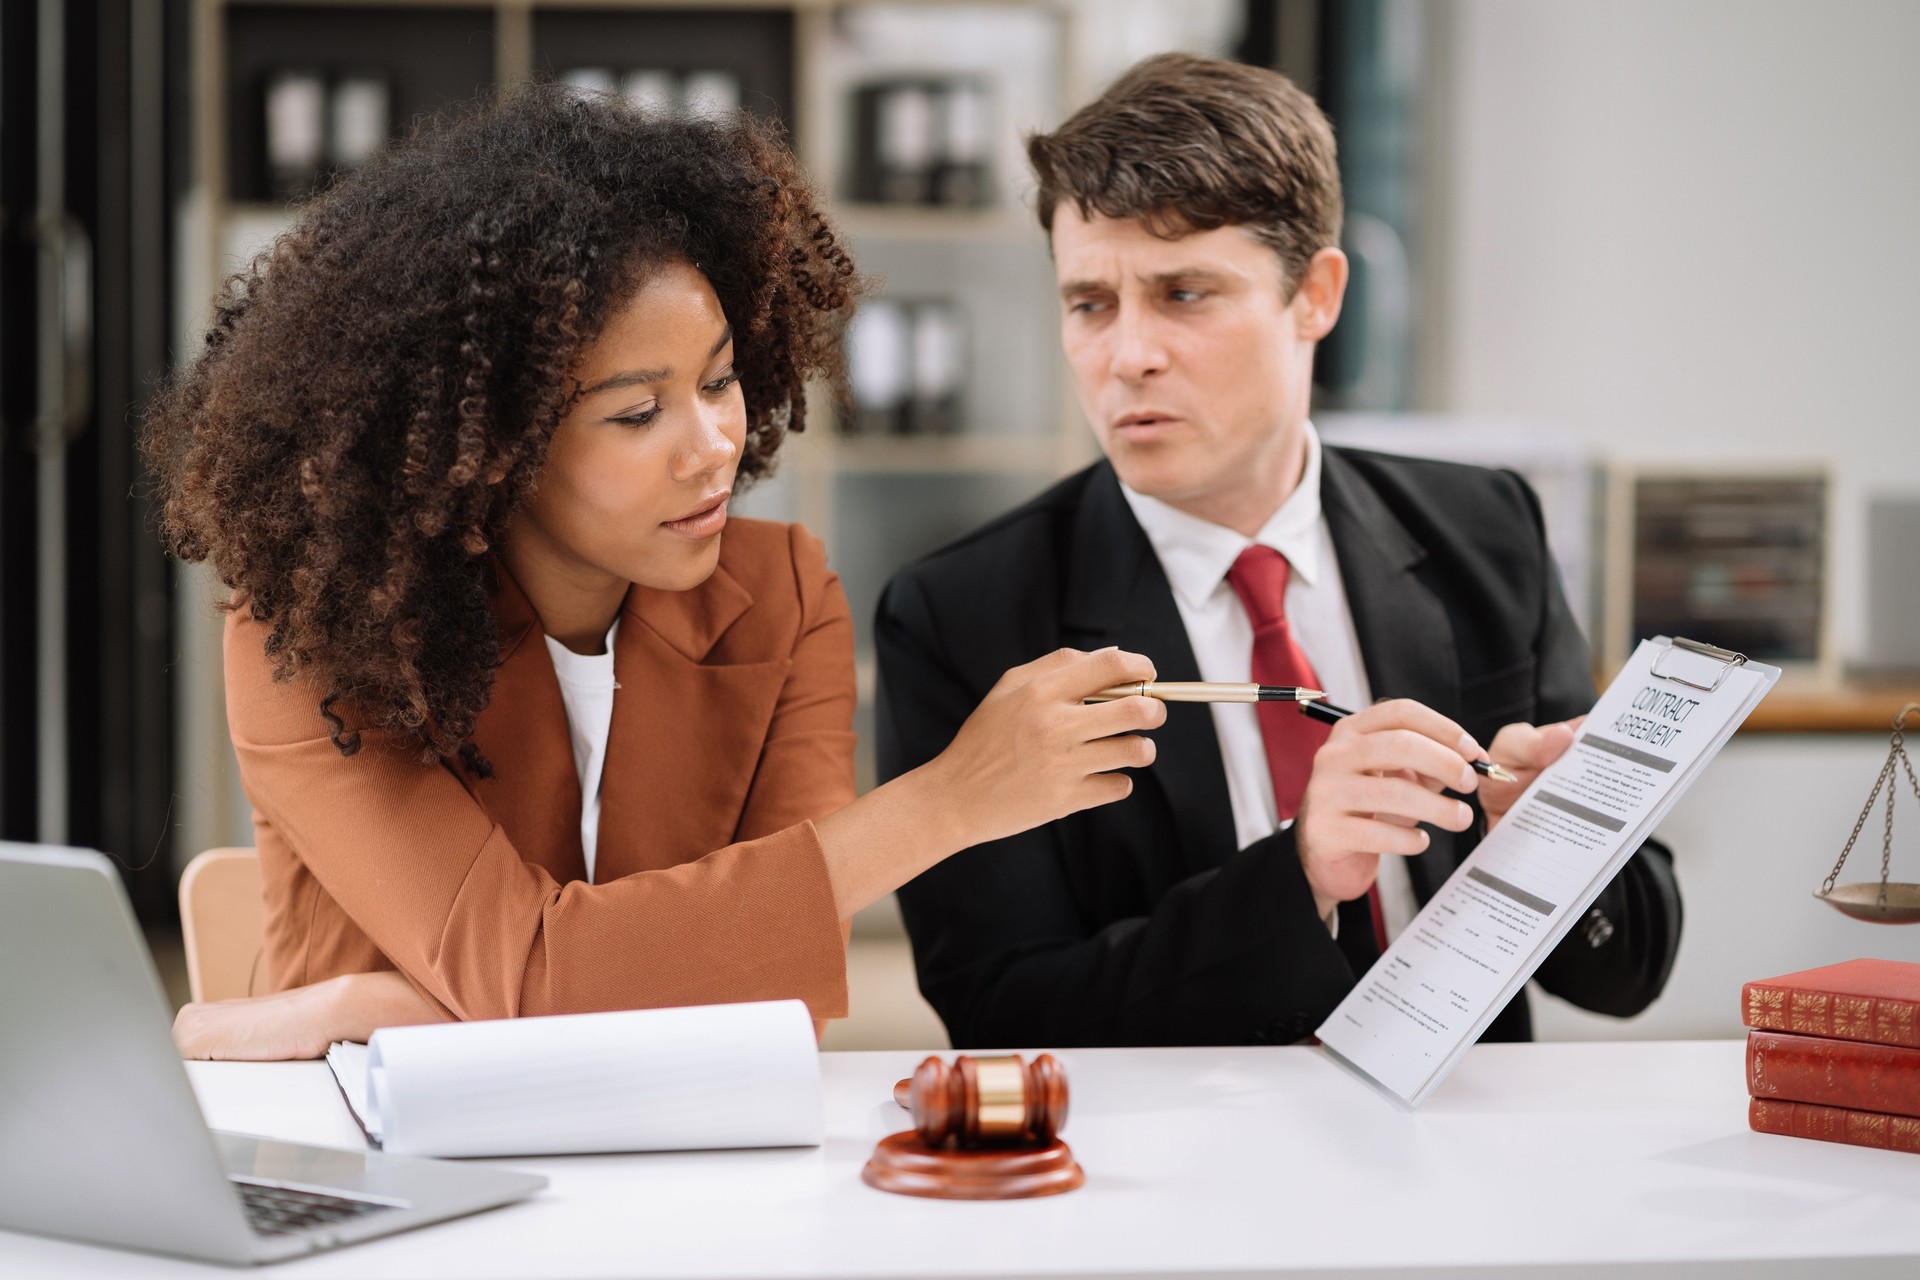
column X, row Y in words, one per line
column 529, row 723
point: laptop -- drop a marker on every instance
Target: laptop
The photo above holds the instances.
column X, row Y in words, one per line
column 101, row 1139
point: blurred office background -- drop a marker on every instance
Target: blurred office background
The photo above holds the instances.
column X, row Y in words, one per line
column 1656, row 254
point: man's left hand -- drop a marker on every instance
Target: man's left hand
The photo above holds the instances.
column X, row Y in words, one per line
column 1524, row 750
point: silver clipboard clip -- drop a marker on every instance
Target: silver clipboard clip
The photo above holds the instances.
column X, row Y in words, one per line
column 1726, row 659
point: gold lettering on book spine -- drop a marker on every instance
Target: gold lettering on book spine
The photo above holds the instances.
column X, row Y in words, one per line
column 1808, row 1012
column 1766, row 1009
column 1852, row 1018
column 1893, row 1023
column 1758, row 1085
column 1865, row 1129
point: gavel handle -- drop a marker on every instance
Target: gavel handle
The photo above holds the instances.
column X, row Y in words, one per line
column 903, row 1094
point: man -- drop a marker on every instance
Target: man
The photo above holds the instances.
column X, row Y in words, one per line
column 1193, row 212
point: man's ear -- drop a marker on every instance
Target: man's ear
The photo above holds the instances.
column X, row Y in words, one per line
column 1316, row 303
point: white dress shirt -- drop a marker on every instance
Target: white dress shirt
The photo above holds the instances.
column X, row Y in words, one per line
column 586, row 687
column 1196, row 554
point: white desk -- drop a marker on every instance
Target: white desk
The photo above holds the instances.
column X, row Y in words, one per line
column 1574, row 1159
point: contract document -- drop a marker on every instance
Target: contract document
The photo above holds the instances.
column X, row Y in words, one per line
column 1475, row 944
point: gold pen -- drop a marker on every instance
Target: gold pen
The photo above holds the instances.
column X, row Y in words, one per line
column 1206, row 691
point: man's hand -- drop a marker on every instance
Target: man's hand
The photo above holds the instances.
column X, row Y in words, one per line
column 1380, row 773
column 1525, row 750
column 300, row 1023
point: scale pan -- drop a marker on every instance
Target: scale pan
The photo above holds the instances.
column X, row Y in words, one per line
column 1862, row 902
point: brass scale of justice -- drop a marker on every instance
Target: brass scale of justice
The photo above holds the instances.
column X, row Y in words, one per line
column 1888, row 902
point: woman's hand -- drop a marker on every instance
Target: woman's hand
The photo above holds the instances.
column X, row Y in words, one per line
column 1034, row 751
column 1525, row 750
column 300, row 1023
column 1379, row 774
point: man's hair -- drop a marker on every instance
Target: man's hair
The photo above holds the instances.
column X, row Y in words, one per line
column 1186, row 143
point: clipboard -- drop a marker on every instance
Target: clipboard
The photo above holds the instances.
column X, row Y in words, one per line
column 1681, row 652
column 1480, row 938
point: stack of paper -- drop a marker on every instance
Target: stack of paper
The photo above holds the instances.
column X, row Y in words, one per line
column 735, row 1075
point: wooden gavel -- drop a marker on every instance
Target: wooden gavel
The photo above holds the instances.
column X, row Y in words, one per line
column 986, row 1102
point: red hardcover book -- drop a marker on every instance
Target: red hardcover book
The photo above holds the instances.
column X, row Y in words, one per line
column 1876, row 1001
column 1833, row 1073
column 1834, row 1124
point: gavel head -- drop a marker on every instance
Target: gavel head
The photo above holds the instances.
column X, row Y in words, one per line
column 985, row 1102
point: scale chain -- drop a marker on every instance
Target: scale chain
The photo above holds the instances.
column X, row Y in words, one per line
column 1859, row 824
column 1886, row 840
column 1886, row 850
column 1889, row 779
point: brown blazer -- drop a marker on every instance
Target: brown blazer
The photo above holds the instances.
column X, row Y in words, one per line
column 732, row 731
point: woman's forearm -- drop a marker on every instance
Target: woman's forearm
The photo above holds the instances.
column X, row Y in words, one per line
column 889, row 836
column 359, row 1004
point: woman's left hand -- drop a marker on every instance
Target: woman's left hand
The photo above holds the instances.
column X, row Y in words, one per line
column 1524, row 750
column 300, row 1023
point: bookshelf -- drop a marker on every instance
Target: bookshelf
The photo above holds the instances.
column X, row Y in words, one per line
column 877, row 499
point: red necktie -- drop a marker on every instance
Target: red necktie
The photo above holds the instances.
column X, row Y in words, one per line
column 1259, row 578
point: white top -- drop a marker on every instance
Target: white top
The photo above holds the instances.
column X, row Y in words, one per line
column 1196, row 555
column 1594, row 1157
column 586, row 686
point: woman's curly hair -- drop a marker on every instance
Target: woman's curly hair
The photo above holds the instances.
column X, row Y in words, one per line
column 377, row 391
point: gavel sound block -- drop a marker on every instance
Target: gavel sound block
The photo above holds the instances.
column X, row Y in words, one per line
column 984, row 1129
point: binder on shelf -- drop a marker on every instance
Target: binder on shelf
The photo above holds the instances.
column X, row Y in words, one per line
column 923, row 141
column 906, row 362
column 961, row 177
column 294, row 103
column 710, row 93
column 939, row 367
column 359, row 117
column 319, row 123
column 652, row 91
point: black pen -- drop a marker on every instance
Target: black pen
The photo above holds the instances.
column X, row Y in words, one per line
column 1325, row 712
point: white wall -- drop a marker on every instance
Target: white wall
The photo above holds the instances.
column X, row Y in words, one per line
column 1690, row 226
column 1686, row 227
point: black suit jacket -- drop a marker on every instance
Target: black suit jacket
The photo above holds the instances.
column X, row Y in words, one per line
column 1142, row 922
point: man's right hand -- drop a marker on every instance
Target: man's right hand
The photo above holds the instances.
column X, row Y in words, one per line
column 1379, row 774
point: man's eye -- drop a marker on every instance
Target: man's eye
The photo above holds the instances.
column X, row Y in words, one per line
column 1186, row 295
column 1085, row 307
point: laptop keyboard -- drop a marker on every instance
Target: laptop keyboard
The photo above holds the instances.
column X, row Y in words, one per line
column 280, row 1211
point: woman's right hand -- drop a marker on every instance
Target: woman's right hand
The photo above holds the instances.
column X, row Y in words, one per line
column 301, row 1022
column 1034, row 751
